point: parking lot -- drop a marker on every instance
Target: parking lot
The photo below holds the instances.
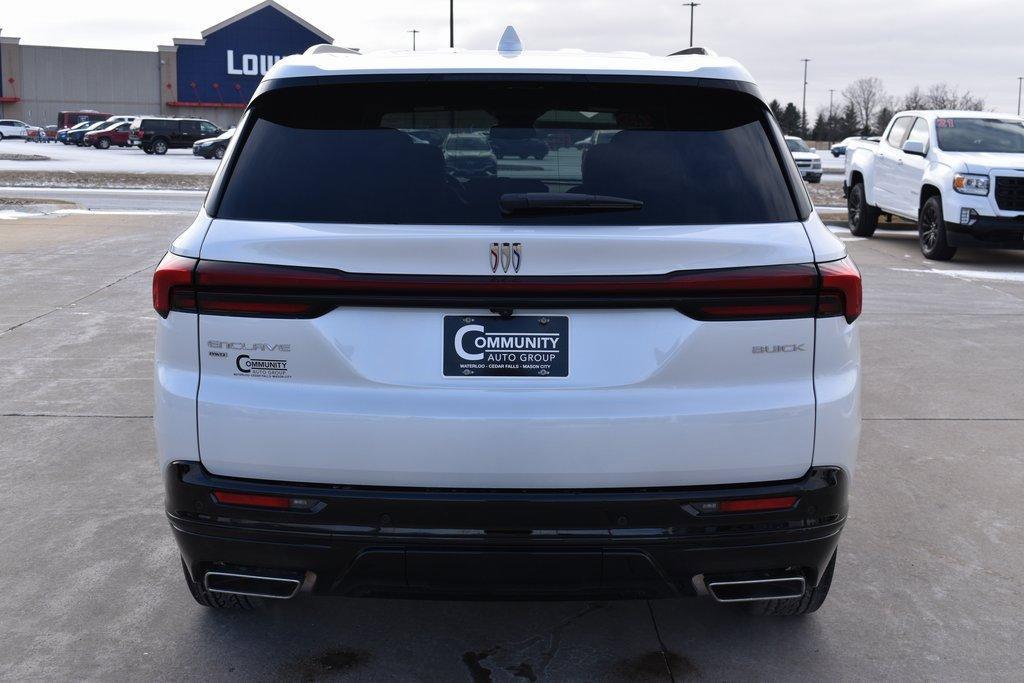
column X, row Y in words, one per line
column 927, row 586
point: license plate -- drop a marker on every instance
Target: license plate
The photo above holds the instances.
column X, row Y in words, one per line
column 491, row 346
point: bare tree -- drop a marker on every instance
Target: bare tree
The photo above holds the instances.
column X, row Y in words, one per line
column 945, row 96
column 915, row 99
column 866, row 95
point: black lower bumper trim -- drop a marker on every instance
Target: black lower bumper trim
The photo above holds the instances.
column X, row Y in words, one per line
column 507, row 544
column 988, row 232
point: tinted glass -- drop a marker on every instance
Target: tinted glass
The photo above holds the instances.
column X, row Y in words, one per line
column 898, row 132
column 415, row 153
column 797, row 145
column 159, row 126
column 980, row 135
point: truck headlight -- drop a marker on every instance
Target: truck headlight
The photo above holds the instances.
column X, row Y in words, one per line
column 968, row 183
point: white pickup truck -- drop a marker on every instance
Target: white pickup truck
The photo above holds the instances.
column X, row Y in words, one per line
column 958, row 174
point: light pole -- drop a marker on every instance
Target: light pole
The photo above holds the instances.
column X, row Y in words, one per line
column 1020, row 84
column 413, row 32
column 691, row 5
column 451, row 23
column 803, row 108
column 831, row 95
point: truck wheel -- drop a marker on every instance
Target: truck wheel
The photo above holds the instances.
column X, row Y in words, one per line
column 931, row 230
column 809, row 602
column 218, row 600
column 862, row 217
column 159, row 146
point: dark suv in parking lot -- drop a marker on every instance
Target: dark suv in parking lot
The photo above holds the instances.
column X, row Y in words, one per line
column 157, row 135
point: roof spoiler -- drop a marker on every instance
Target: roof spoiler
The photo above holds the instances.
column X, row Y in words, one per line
column 324, row 48
column 706, row 51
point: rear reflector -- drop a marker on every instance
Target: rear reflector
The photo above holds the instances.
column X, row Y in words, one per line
column 801, row 290
column 748, row 505
column 256, row 500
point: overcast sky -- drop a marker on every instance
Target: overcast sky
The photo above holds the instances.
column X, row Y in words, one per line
column 976, row 45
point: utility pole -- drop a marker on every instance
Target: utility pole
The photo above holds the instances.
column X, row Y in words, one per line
column 1020, row 84
column 413, row 32
column 831, row 96
column 451, row 23
column 691, row 5
column 803, row 108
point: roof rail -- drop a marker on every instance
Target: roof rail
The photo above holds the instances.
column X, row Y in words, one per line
column 324, row 48
column 706, row 51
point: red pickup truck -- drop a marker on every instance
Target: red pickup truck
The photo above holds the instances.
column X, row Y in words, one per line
column 114, row 134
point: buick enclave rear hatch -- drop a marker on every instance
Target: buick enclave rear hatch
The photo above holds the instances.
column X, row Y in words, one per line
column 634, row 309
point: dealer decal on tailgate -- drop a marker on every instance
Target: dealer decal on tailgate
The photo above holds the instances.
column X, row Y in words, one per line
column 520, row 346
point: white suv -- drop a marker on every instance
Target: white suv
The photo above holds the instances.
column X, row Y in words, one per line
column 634, row 375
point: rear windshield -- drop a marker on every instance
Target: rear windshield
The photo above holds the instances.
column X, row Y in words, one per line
column 446, row 153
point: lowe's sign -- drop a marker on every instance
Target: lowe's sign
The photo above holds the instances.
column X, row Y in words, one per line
column 250, row 65
column 226, row 65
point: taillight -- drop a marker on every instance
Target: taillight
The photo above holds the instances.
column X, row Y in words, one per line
column 753, row 293
column 172, row 283
column 841, row 292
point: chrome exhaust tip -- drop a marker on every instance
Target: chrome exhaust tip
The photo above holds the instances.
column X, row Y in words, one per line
column 252, row 584
column 752, row 590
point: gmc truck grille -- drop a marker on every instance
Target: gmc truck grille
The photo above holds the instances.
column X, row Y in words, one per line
column 1010, row 193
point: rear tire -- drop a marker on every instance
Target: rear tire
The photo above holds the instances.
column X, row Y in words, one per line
column 862, row 217
column 218, row 600
column 931, row 231
column 103, row 143
column 159, row 146
column 809, row 602
column 218, row 153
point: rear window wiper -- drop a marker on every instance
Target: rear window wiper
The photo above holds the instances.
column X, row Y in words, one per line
column 563, row 202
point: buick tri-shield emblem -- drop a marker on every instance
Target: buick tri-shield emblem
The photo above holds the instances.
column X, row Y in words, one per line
column 507, row 255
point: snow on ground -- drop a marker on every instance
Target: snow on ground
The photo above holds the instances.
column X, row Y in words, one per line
column 114, row 160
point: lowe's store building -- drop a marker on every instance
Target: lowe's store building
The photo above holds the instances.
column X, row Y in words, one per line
column 210, row 77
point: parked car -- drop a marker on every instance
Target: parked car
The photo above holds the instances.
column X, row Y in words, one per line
column 156, row 135
column 64, row 133
column 517, row 142
column 113, row 134
column 807, row 160
column 69, row 119
column 958, row 174
column 213, row 148
column 469, row 154
column 76, row 136
column 839, row 148
column 12, row 128
column 637, row 378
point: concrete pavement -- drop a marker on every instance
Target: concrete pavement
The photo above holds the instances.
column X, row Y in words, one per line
column 928, row 584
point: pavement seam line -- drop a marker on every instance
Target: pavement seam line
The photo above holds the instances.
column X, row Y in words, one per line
column 112, row 417
column 661, row 643
column 72, row 303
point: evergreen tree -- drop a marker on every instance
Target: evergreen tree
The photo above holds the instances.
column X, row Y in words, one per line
column 776, row 109
column 820, row 130
column 790, row 121
column 849, row 123
column 882, row 119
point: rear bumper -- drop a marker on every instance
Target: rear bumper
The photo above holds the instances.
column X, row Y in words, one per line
column 987, row 231
column 460, row 543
